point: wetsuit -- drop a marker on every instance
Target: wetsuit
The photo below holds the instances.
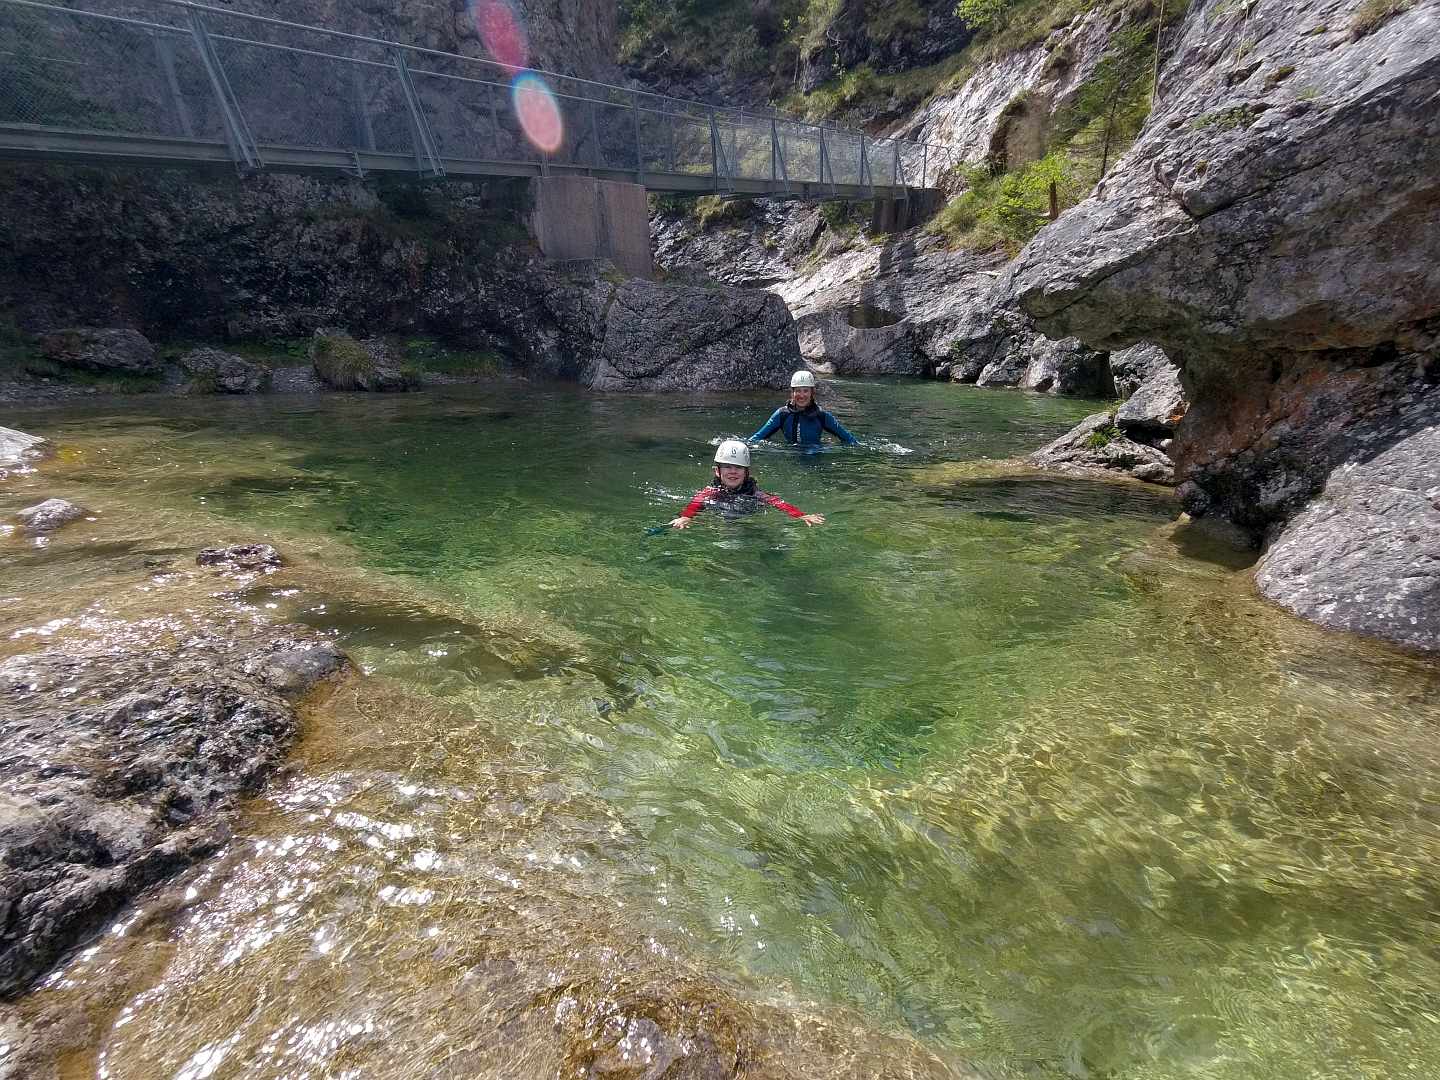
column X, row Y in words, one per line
column 746, row 499
column 803, row 426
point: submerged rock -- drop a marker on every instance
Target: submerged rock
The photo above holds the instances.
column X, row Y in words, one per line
column 245, row 558
column 48, row 516
column 226, row 373
column 122, row 760
column 294, row 671
column 107, row 351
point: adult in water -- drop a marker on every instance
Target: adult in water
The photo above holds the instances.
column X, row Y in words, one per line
column 801, row 420
column 733, row 490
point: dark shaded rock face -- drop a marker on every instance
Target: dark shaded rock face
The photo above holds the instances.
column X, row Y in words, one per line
column 224, row 372
column 121, row 760
column 665, row 337
column 118, row 351
column 48, row 516
column 1276, row 230
column 1156, row 406
column 1133, row 366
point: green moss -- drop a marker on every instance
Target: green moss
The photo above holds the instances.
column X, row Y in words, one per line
column 710, row 210
column 1237, row 116
column 426, row 356
column 1280, row 74
column 1373, row 14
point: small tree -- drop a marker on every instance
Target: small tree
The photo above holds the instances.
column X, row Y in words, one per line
column 1114, row 100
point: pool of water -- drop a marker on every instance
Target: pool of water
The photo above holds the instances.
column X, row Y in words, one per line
column 1000, row 766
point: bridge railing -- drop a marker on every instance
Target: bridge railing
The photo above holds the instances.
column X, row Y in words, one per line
column 188, row 72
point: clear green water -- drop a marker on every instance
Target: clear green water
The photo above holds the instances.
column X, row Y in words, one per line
column 988, row 758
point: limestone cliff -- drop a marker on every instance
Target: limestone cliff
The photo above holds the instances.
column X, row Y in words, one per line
column 1276, row 229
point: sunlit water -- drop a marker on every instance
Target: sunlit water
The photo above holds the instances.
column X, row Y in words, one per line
column 994, row 770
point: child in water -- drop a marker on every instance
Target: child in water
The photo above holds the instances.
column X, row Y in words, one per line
column 733, row 489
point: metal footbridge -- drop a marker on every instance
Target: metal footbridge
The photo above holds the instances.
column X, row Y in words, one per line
column 171, row 83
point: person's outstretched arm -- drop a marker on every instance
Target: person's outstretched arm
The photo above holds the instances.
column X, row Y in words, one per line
column 695, row 505
column 794, row 511
column 770, row 426
column 830, row 424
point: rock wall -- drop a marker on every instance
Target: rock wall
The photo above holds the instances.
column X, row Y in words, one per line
column 1277, row 230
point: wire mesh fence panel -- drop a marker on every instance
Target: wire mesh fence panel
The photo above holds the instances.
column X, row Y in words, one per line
column 749, row 154
column 464, row 115
column 290, row 98
column 71, row 71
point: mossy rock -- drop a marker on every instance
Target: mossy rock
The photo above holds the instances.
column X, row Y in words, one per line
column 342, row 363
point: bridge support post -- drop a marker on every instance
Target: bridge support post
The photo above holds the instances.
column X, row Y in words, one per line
column 237, row 132
column 579, row 217
column 639, row 150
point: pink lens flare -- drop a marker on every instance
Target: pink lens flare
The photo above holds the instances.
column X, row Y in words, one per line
column 503, row 34
column 538, row 112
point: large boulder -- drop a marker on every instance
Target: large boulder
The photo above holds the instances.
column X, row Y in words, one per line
column 997, row 346
column 222, row 372
column 1155, row 407
column 667, row 337
column 1131, row 367
column 113, row 352
column 1365, row 555
column 860, row 340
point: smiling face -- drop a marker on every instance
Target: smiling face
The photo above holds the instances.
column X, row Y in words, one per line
column 732, row 476
column 801, row 396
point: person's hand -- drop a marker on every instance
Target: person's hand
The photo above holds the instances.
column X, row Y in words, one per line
column 680, row 523
column 813, row 519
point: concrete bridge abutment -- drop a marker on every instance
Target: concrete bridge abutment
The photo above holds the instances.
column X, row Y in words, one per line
column 579, row 217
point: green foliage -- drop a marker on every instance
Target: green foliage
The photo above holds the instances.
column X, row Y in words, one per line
column 1280, row 74
column 1111, row 105
column 982, row 14
column 889, row 19
column 1102, row 436
column 428, row 356
column 1373, row 14
column 341, row 360
column 1005, row 211
column 711, row 210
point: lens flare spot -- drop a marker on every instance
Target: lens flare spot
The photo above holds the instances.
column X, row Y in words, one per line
column 502, row 33
column 538, row 112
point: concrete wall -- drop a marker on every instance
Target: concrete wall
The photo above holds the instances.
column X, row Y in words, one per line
column 897, row 215
column 578, row 217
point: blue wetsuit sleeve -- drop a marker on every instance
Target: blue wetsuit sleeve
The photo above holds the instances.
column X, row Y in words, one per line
column 770, row 426
column 837, row 429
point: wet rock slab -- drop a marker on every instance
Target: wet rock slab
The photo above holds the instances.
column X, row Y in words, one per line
column 122, row 757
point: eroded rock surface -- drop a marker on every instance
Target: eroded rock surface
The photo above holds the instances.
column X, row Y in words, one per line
column 123, row 754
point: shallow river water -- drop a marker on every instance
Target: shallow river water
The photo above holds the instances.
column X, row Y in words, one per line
column 994, row 772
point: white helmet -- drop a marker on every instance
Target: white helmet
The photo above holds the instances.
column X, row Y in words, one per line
column 802, row 379
column 733, row 452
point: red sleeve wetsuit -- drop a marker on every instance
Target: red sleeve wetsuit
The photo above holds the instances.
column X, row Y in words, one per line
column 707, row 494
